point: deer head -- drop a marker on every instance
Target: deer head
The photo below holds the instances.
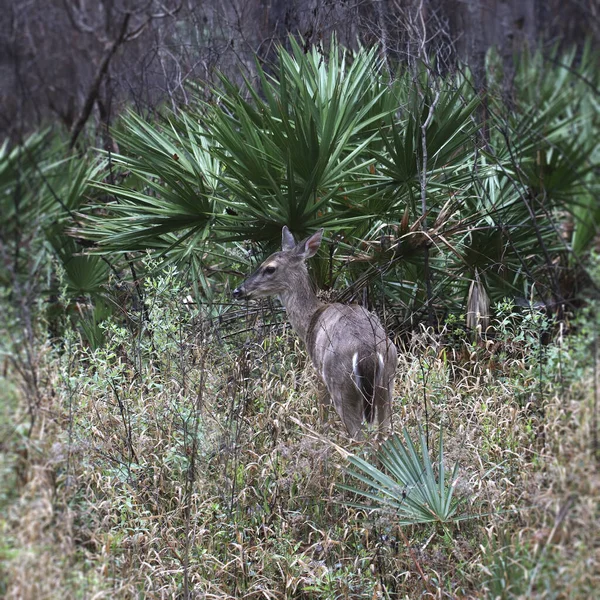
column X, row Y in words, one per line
column 282, row 272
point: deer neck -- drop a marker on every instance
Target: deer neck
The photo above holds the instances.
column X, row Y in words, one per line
column 300, row 302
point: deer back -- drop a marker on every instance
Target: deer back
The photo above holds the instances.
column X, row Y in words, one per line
column 339, row 337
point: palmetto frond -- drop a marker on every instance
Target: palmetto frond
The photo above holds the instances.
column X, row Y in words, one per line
column 411, row 488
column 331, row 141
column 295, row 152
column 164, row 198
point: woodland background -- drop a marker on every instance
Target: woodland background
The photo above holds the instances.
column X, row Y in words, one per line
column 65, row 61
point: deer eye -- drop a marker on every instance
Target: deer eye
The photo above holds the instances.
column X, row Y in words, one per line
column 270, row 270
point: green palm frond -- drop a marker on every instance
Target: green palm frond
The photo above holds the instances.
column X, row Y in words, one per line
column 294, row 152
column 165, row 196
column 411, row 488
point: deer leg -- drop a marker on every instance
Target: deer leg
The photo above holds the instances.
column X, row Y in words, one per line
column 324, row 402
column 383, row 406
column 349, row 407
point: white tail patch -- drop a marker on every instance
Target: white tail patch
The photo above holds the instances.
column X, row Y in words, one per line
column 355, row 372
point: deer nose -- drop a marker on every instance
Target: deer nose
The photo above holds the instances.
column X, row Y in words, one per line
column 238, row 292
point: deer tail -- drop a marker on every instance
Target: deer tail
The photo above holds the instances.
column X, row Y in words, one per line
column 367, row 371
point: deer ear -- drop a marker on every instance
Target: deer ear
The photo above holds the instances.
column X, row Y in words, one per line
column 287, row 239
column 309, row 246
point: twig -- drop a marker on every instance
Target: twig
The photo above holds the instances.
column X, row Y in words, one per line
column 126, row 418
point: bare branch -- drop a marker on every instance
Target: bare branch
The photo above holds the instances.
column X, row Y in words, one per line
column 95, row 87
column 76, row 19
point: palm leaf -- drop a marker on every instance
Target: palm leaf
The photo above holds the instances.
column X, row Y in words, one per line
column 409, row 488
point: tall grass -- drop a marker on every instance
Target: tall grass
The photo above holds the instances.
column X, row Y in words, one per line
column 172, row 464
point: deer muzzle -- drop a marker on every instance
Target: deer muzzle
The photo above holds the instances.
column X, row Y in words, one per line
column 239, row 293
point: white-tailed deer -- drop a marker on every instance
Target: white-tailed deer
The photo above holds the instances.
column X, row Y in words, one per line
column 347, row 344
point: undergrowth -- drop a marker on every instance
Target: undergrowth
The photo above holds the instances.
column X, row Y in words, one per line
column 186, row 458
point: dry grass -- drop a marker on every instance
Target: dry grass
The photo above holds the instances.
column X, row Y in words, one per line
column 178, row 468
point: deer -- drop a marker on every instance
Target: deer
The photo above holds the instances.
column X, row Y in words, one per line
column 347, row 344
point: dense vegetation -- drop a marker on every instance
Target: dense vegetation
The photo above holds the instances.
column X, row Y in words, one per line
column 159, row 441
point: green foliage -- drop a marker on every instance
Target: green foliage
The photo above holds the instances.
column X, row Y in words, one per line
column 507, row 567
column 431, row 181
column 171, row 179
column 547, row 146
column 297, row 156
column 412, row 490
column 422, row 184
column 41, row 189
